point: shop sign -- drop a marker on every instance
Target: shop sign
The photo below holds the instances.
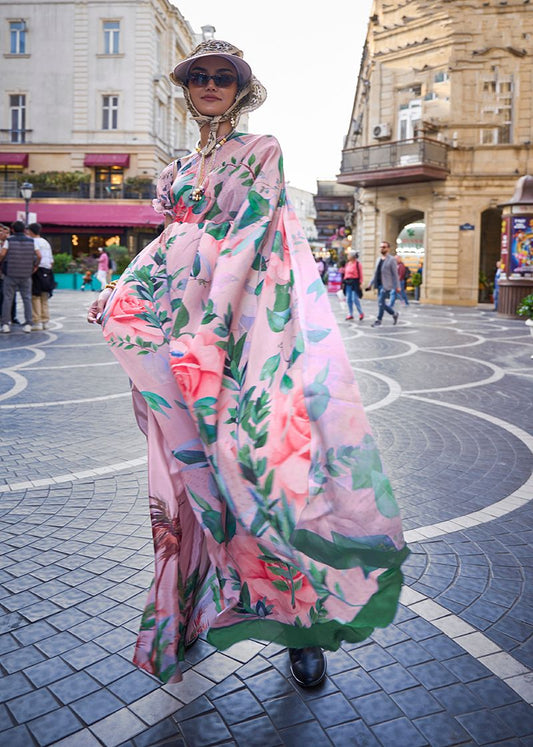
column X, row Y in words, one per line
column 466, row 227
column 521, row 259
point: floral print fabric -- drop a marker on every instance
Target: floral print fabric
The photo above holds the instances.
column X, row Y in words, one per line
column 271, row 515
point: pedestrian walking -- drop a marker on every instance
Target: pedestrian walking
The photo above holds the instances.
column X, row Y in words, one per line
column 385, row 279
column 270, row 513
column 353, row 279
column 42, row 279
column 103, row 267
column 497, row 275
column 21, row 259
column 403, row 275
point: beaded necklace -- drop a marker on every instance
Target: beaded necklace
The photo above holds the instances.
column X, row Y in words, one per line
column 198, row 190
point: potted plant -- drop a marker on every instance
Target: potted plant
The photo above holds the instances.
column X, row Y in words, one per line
column 525, row 308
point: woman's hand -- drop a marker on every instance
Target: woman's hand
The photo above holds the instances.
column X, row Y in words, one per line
column 96, row 309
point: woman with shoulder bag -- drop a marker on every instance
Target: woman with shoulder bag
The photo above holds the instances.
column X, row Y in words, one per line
column 353, row 281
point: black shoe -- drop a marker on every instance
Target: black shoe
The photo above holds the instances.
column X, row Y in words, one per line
column 377, row 323
column 308, row 665
column 395, row 317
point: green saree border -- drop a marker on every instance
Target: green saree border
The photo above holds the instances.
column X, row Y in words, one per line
column 378, row 612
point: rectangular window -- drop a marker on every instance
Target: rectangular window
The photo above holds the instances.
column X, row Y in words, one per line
column 111, row 37
column 17, row 118
column 109, row 112
column 17, row 37
column 109, row 181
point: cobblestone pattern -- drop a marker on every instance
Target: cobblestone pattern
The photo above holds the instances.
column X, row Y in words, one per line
column 448, row 393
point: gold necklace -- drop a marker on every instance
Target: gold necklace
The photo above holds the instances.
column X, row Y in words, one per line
column 198, row 190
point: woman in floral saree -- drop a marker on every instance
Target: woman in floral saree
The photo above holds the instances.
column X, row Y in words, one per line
column 271, row 515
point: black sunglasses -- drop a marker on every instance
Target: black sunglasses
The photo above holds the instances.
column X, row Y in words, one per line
column 221, row 80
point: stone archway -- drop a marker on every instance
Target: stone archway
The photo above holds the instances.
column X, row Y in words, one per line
column 489, row 251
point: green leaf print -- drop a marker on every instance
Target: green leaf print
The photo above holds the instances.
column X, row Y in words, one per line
column 342, row 552
column 286, row 384
column 190, row 456
column 218, row 230
column 316, row 335
column 277, row 244
column 148, row 618
column 214, row 210
column 317, row 287
column 196, row 266
column 182, row 319
column 270, row 367
column 317, row 399
column 205, row 406
column 258, row 207
column 156, row 402
column 385, row 500
column 277, row 320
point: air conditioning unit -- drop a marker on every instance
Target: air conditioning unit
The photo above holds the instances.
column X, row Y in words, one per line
column 381, row 131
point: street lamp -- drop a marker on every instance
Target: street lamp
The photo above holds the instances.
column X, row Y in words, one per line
column 26, row 191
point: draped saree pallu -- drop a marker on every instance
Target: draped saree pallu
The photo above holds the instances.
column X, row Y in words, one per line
column 271, row 515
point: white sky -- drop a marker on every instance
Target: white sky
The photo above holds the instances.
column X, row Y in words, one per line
column 307, row 54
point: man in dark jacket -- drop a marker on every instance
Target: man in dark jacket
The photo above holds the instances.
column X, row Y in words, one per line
column 385, row 280
column 21, row 259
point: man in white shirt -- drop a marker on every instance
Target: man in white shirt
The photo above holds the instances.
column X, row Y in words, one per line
column 43, row 279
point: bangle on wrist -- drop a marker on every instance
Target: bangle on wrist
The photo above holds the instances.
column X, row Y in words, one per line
column 112, row 285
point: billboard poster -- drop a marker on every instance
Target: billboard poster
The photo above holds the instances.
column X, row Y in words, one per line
column 521, row 255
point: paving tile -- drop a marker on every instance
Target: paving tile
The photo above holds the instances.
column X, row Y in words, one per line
column 244, row 650
column 268, row 685
column 287, row 711
column 33, row 704
column 441, row 730
column 355, row 683
column 155, row 706
column 307, row 733
column 399, row 731
column 117, row 728
column 331, row 710
column 13, row 685
column 83, row 738
column 73, row 687
column 354, row 734
column 204, row 730
column 109, row 669
column 96, row 706
column 21, row 659
column 486, row 727
column 416, row 702
column 54, row 726
column 256, row 665
column 371, row 657
column 91, row 629
column 84, row 655
column 229, row 685
column 375, row 708
column 432, row 674
column 410, row 652
column 18, row 736
column 517, row 716
column 457, row 698
column 57, row 643
column 394, row 678
column 466, row 668
column 116, row 640
column 238, row 706
column 133, row 686
column 34, row 632
column 492, row 692
column 191, row 687
column 257, row 732
column 48, row 671
column 194, row 708
column 156, row 734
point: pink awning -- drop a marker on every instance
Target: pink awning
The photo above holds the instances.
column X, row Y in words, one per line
column 13, row 159
column 107, row 159
column 99, row 215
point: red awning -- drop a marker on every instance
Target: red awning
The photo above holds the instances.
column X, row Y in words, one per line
column 13, row 159
column 107, row 159
column 99, row 215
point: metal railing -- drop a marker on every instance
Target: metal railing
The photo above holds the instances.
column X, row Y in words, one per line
column 15, row 136
column 397, row 154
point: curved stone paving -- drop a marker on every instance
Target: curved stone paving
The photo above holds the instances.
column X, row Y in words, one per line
column 448, row 392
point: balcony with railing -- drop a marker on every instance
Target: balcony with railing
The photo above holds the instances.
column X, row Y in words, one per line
column 12, row 136
column 399, row 162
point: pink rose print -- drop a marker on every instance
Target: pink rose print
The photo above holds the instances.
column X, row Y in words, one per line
column 264, row 582
column 197, row 365
column 124, row 319
column 290, row 436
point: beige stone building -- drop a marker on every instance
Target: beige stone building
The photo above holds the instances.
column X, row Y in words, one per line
column 84, row 87
column 441, row 129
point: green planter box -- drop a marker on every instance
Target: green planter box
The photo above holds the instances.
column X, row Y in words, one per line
column 74, row 280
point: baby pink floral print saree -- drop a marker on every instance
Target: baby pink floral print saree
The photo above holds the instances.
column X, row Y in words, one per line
column 271, row 516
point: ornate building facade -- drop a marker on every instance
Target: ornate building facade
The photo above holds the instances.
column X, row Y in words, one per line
column 85, row 91
column 441, row 129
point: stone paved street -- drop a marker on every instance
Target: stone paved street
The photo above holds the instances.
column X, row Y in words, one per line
column 449, row 395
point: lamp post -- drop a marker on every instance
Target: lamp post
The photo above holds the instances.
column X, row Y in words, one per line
column 26, row 192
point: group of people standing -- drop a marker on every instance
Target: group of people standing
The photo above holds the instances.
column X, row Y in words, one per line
column 26, row 262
